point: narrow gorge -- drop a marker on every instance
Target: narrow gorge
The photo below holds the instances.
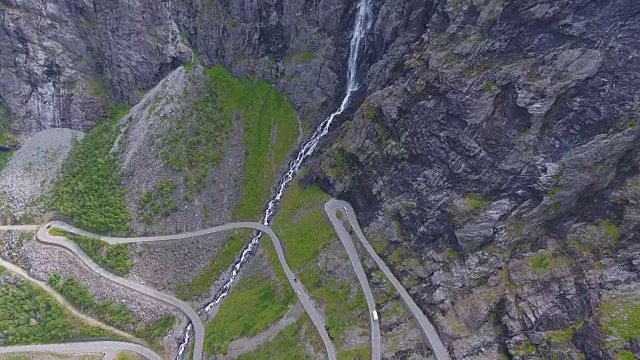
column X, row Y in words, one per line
column 489, row 149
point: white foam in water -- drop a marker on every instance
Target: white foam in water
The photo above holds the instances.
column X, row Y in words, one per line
column 361, row 26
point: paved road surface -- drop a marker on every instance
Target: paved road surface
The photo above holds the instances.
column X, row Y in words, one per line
column 425, row 326
column 43, row 235
column 345, row 238
column 49, row 290
column 108, row 348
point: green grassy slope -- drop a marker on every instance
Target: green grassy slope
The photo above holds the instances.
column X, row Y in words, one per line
column 305, row 231
column 270, row 133
column 30, row 316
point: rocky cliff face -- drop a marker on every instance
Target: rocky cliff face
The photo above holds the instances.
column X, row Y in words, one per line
column 62, row 62
column 498, row 143
column 493, row 152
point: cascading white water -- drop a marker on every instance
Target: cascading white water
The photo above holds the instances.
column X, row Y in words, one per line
column 361, row 26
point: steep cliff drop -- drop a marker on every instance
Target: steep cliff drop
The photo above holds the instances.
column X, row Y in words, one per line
column 361, row 26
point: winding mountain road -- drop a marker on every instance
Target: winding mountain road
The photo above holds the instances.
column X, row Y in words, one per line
column 45, row 236
column 109, row 348
column 345, row 238
column 428, row 330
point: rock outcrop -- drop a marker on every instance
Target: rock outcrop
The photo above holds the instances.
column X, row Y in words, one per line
column 498, row 142
column 62, row 61
column 493, row 151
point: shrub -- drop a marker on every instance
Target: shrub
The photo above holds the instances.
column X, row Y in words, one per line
column 90, row 190
column 115, row 258
column 542, row 262
column 474, row 201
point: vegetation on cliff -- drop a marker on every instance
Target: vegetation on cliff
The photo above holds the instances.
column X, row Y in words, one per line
column 90, row 190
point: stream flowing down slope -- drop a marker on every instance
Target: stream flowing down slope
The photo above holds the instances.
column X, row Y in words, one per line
column 361, row 26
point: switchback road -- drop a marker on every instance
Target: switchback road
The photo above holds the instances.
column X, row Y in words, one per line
column 428, row 330
column 345, row 238
column 45, row 236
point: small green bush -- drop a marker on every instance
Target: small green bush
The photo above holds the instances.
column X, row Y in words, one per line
column 560, row 336
column 542, row 262
column 625, row 355
column 115, row 258
column 526, row 348
column 490, row 86
column 157, row 330
column 474, row 201
column 159, row 201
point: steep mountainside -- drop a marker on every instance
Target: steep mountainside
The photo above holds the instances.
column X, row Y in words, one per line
column 498, row 145
column 492, row 152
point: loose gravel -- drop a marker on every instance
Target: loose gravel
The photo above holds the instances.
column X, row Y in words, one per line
column 169, row 264
column 33, row 169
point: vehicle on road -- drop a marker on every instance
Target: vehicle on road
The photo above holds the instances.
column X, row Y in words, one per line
column 345, row 208
column 375, row 315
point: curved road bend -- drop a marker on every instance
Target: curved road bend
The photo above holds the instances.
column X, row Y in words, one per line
column 345, row 238
column 49, row 290
column 427, row 329
column 43, row 235
column 108, row 348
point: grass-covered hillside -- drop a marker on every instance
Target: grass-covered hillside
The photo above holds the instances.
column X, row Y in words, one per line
column 90, row 190
column 270, row 133
column 29, row 315
column 260, row 298
column 319, row 259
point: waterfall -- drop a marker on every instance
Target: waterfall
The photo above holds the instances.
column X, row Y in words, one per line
column 361, row 26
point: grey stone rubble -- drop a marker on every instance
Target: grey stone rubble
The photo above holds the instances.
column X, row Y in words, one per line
column 34, row 167
column 163, row 265
column 41, row 261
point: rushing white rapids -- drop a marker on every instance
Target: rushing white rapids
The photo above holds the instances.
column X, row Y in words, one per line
column 361, row 26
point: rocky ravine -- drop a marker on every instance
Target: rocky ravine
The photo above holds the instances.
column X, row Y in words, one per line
column 493, row 155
